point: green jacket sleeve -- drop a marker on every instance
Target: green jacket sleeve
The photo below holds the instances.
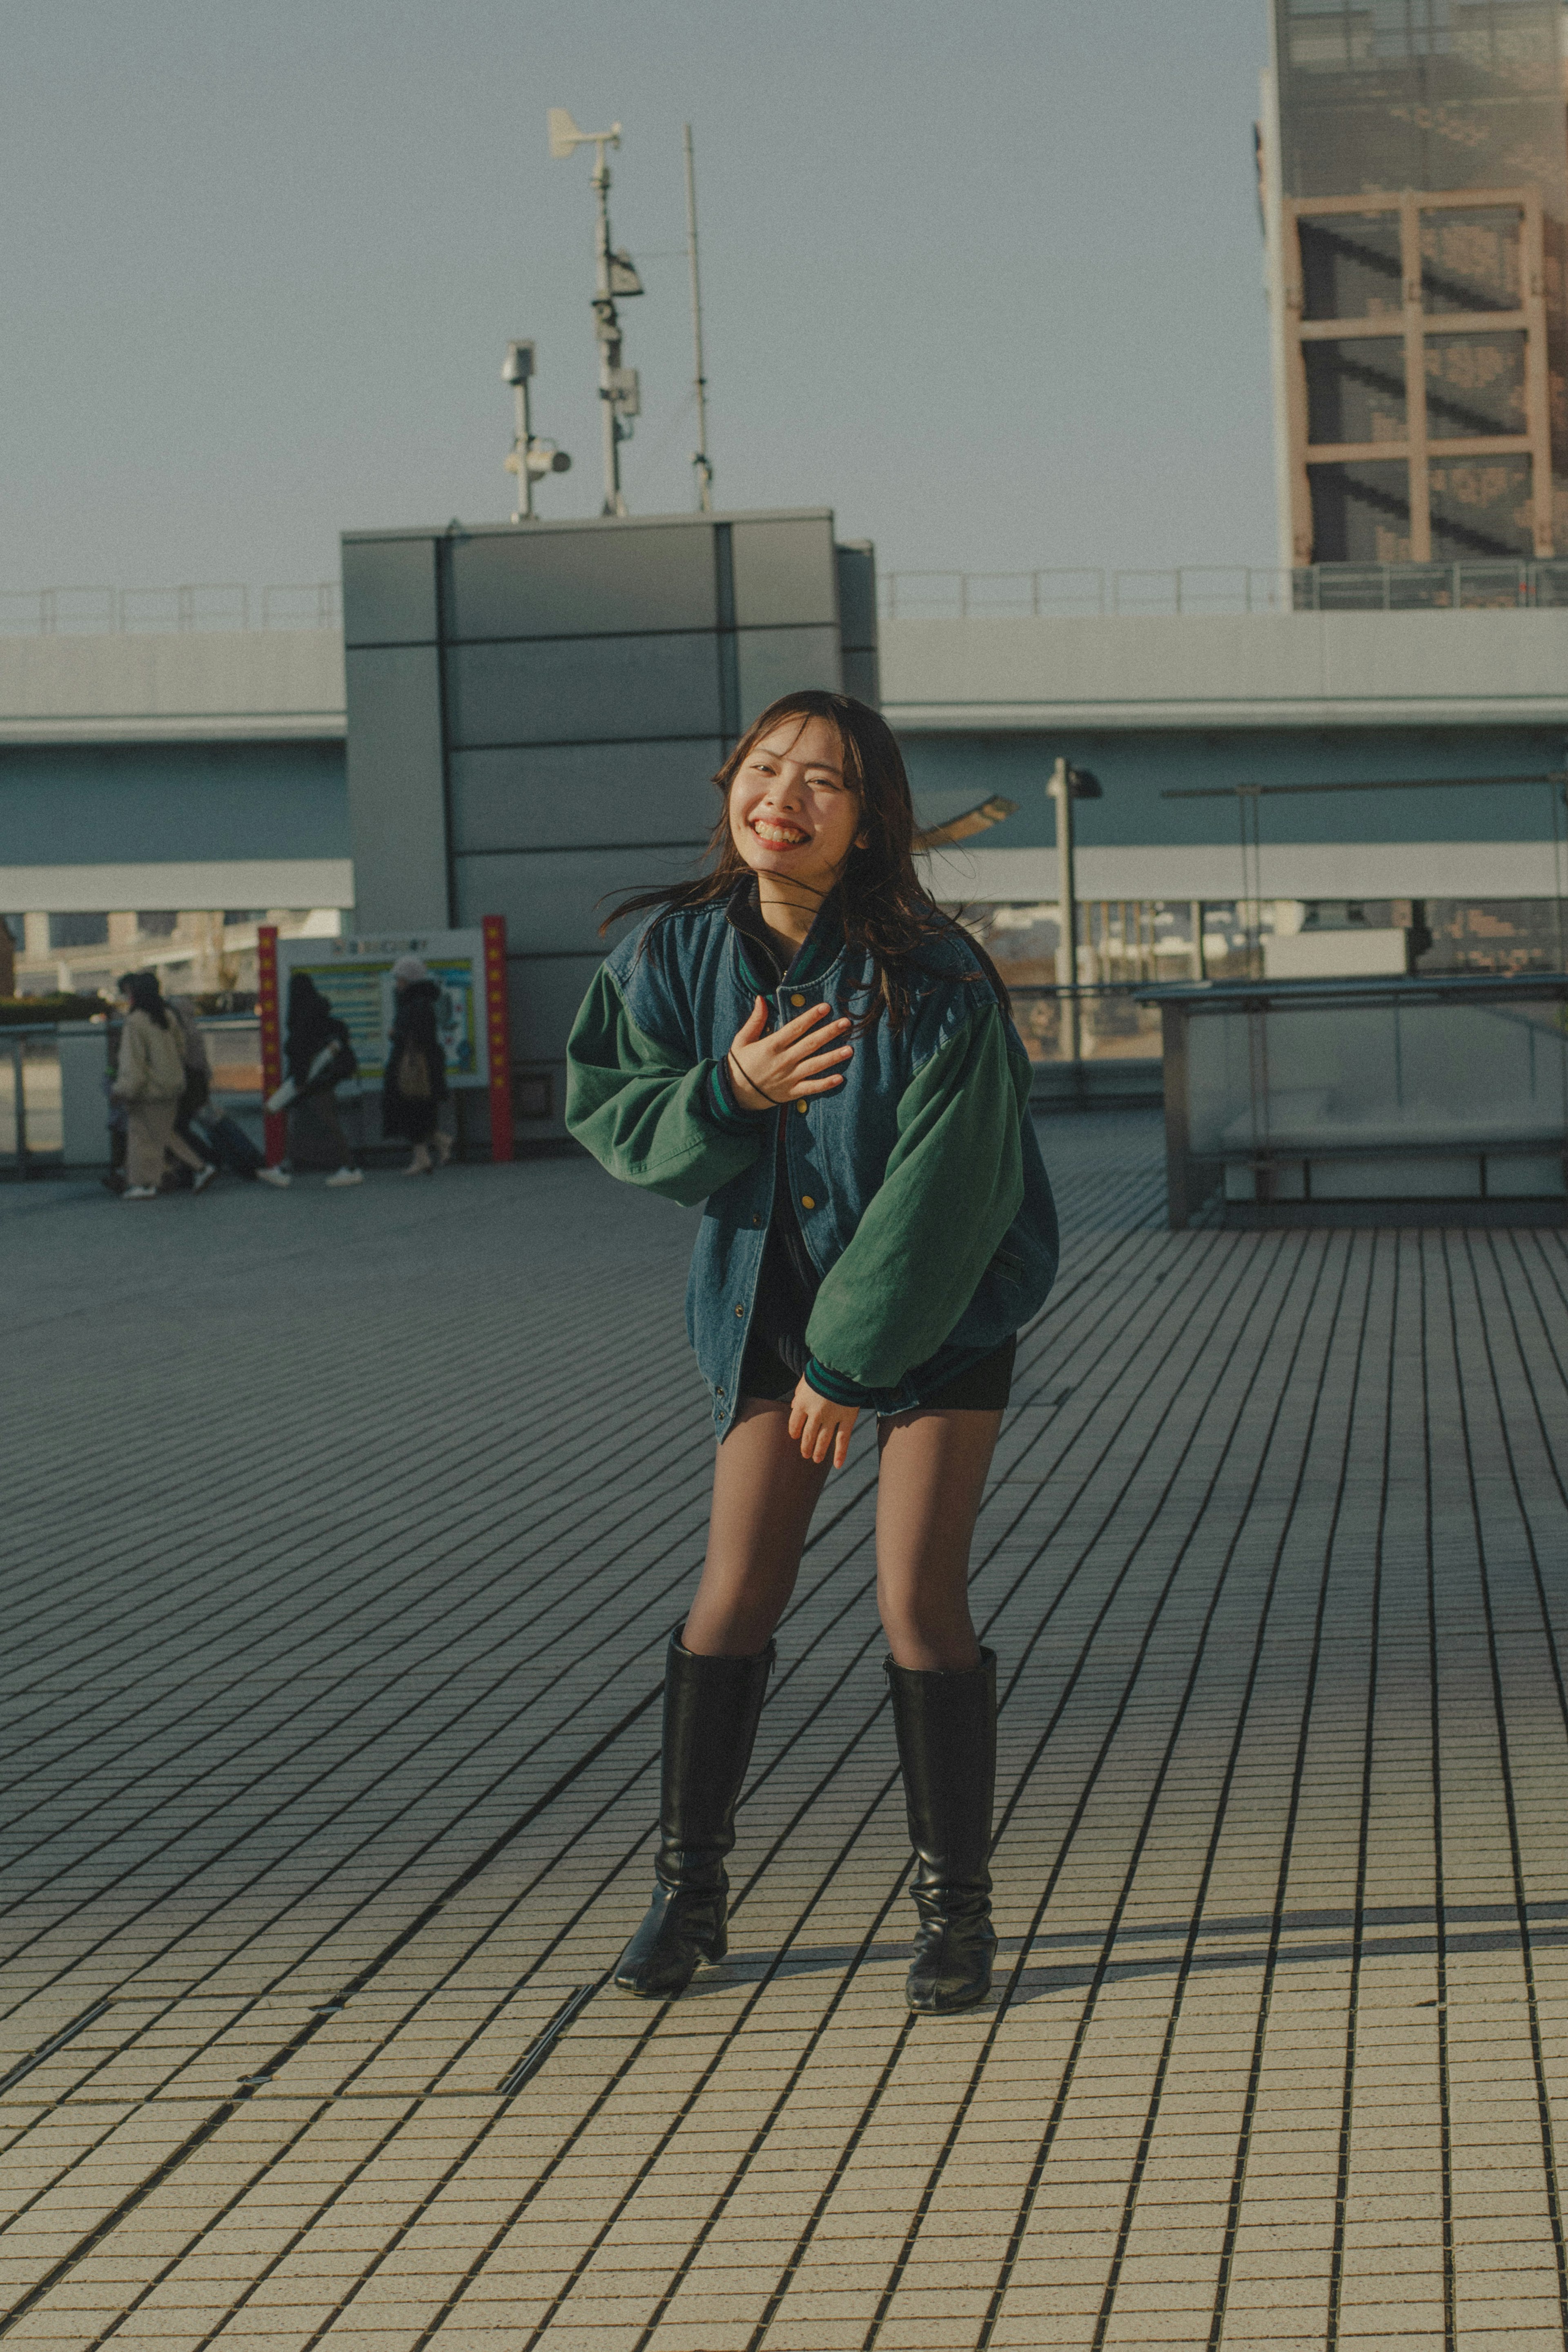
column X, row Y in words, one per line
column 645, row 1115
column 954, row 1184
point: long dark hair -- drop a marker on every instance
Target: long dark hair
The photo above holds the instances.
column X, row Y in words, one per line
column 310, row 1019
column 885, row 909
column 142, row 988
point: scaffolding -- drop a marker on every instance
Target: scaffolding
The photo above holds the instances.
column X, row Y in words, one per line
column 1414, row 176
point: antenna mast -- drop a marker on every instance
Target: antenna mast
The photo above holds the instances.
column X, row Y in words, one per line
column 615, row 273
column 699, row 454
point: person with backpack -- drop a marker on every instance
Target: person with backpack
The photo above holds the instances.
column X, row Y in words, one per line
column 802, row 1041
column 414, row 1086
column 318, row 1056
column 149, row 1080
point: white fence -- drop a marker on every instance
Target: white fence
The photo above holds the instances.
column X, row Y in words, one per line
column 1089, row 593
column 125, row 611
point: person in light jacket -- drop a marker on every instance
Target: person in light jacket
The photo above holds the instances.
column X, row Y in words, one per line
column 149, row 1079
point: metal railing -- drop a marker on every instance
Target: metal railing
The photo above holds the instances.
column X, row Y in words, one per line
column 1113, row 1026
column 1326, row 1101
column 32, row 1089
column 129, row 612
column 31, row 1130
column 1090, row 593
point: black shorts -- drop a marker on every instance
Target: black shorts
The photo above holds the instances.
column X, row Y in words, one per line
column 984, row 1387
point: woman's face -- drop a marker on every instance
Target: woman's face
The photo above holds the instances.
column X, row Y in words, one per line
column 791, row 814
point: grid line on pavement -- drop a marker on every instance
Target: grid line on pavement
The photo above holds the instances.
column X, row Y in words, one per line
column 340, row 1811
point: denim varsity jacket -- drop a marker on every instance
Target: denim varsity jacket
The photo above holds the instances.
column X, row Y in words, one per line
column 917, row 1185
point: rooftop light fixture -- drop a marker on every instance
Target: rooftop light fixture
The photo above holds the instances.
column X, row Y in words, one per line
column 530, row 460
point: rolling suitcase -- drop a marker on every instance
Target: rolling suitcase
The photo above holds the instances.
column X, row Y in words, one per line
column 232, row 1147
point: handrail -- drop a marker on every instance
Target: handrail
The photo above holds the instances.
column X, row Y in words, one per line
column 112, row 1022
column 1090, row 593
column 227, row 605
column 1415, row 988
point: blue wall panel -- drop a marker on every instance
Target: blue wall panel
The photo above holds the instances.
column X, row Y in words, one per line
column 949, row 774
column 135, row 803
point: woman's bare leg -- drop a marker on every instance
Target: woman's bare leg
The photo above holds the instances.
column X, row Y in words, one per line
column 763, row 1497
column 932, row 1481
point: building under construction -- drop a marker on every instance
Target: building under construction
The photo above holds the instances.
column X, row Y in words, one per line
column 1413, row 166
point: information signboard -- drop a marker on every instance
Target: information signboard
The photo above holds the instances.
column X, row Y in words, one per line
column 469, row 967
column 356, row 975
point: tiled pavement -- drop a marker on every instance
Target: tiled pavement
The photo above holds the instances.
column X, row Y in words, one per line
column 342, row 1533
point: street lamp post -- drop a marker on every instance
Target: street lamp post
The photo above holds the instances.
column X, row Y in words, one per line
column 1069, row 785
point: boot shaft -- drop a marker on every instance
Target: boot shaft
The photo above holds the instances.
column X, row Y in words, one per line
column 945, row 1726
column 712, row 1708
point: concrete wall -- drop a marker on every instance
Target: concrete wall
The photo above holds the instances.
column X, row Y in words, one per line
column 1314, row 669
column 255, row 685
column 173, row 771
column 1200, row 703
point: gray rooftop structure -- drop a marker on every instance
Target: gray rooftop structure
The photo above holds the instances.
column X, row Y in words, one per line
column 535, row 713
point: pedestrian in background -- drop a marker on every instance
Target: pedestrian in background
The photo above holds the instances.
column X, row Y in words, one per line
column 203, row 1122
column 198, row 1086
column 414, row 1086
column 149, row 1079
column 316, row 1055
column 119, row 1123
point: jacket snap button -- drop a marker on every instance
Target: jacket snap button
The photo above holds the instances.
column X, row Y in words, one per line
column 797, row 998
column 740, row 1310
column 802, row 1109
column 757, row 1220
column 807, row 1202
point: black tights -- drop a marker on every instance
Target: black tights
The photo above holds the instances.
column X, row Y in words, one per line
column 930, row 1483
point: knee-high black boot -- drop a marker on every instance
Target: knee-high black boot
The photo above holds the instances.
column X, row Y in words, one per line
column 711, row 1711
column 946, row 1729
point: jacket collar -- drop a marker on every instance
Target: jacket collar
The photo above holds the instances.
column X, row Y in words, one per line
column 761, row 962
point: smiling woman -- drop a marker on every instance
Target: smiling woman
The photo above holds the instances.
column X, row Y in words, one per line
column 804, row 1041
column 794, row 819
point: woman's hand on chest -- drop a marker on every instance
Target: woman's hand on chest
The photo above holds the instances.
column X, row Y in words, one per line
column 801, row 1060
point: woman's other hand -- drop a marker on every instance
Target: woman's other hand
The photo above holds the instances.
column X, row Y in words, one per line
column 798, row 1060
column 821, row 1426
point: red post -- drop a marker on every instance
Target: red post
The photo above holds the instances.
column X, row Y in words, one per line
column 498, row 1037
column 275, row 1123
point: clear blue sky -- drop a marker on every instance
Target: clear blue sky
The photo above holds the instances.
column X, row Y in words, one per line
column 985, row 276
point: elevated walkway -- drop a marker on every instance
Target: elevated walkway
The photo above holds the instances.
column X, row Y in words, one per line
column 342, row 1534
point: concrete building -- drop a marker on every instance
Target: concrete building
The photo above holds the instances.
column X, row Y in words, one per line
column 1414, row 177
column 535, row 717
